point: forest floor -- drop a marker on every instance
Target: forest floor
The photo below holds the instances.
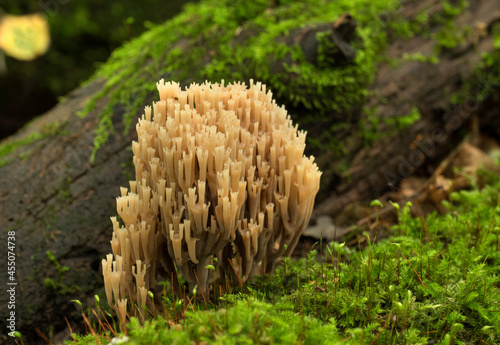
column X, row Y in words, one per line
column 421, row 272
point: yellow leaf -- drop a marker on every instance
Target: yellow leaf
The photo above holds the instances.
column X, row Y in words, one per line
column 24, row 37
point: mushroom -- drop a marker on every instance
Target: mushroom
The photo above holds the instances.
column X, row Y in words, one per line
column 221, row 182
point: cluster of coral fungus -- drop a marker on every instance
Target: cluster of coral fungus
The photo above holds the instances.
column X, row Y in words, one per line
column 222, row 187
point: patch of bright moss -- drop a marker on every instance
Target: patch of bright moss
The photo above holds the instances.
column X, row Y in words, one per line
column 405, row 121
column 58, row 285
column 486, row 80
column 430, row 281
column 243, row 322
column 9, row 147
column 433, row 59
column 371, row 124
column 199, row 44
column 239, row 40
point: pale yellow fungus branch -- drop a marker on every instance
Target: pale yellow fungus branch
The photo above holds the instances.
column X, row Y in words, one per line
column 221, row 180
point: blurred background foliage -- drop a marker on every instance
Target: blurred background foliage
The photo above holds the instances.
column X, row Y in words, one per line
column 83, row 34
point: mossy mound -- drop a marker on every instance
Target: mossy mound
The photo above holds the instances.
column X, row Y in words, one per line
column 221, row 39
column 431, row 280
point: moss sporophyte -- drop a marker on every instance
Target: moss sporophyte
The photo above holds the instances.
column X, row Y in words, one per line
column 402, row 289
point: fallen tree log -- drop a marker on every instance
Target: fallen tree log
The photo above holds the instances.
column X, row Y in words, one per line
column 58, row 191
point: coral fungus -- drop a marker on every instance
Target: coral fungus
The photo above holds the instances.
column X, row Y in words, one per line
column 222, row 187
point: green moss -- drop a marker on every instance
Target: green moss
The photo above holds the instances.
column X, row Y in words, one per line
column 208, row 32
column 404, row 121
column 374, row 128
column 429, row 281
column 486, row 78
column 58, row 284
column 451, row 36
column 452, row 9
column 63, row 190
column 8, row 148
column 438, row 26
column 495, row 30
column 369, row 126
column 13, row 227
column 433, row 59
column 318, row 88
column 239, row 40
column 222, row 39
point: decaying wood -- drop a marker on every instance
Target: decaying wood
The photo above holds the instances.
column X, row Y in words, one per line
column 420, row 148
column 57, row 201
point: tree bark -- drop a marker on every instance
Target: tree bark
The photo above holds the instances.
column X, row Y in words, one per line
column 418, row 149
column 56, row 201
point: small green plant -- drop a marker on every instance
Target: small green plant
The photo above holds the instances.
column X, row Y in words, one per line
column 10, row 146
column 58, row 284
column 433, row 59
column 403, row 288
column 400, row 123
column 376, row 203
